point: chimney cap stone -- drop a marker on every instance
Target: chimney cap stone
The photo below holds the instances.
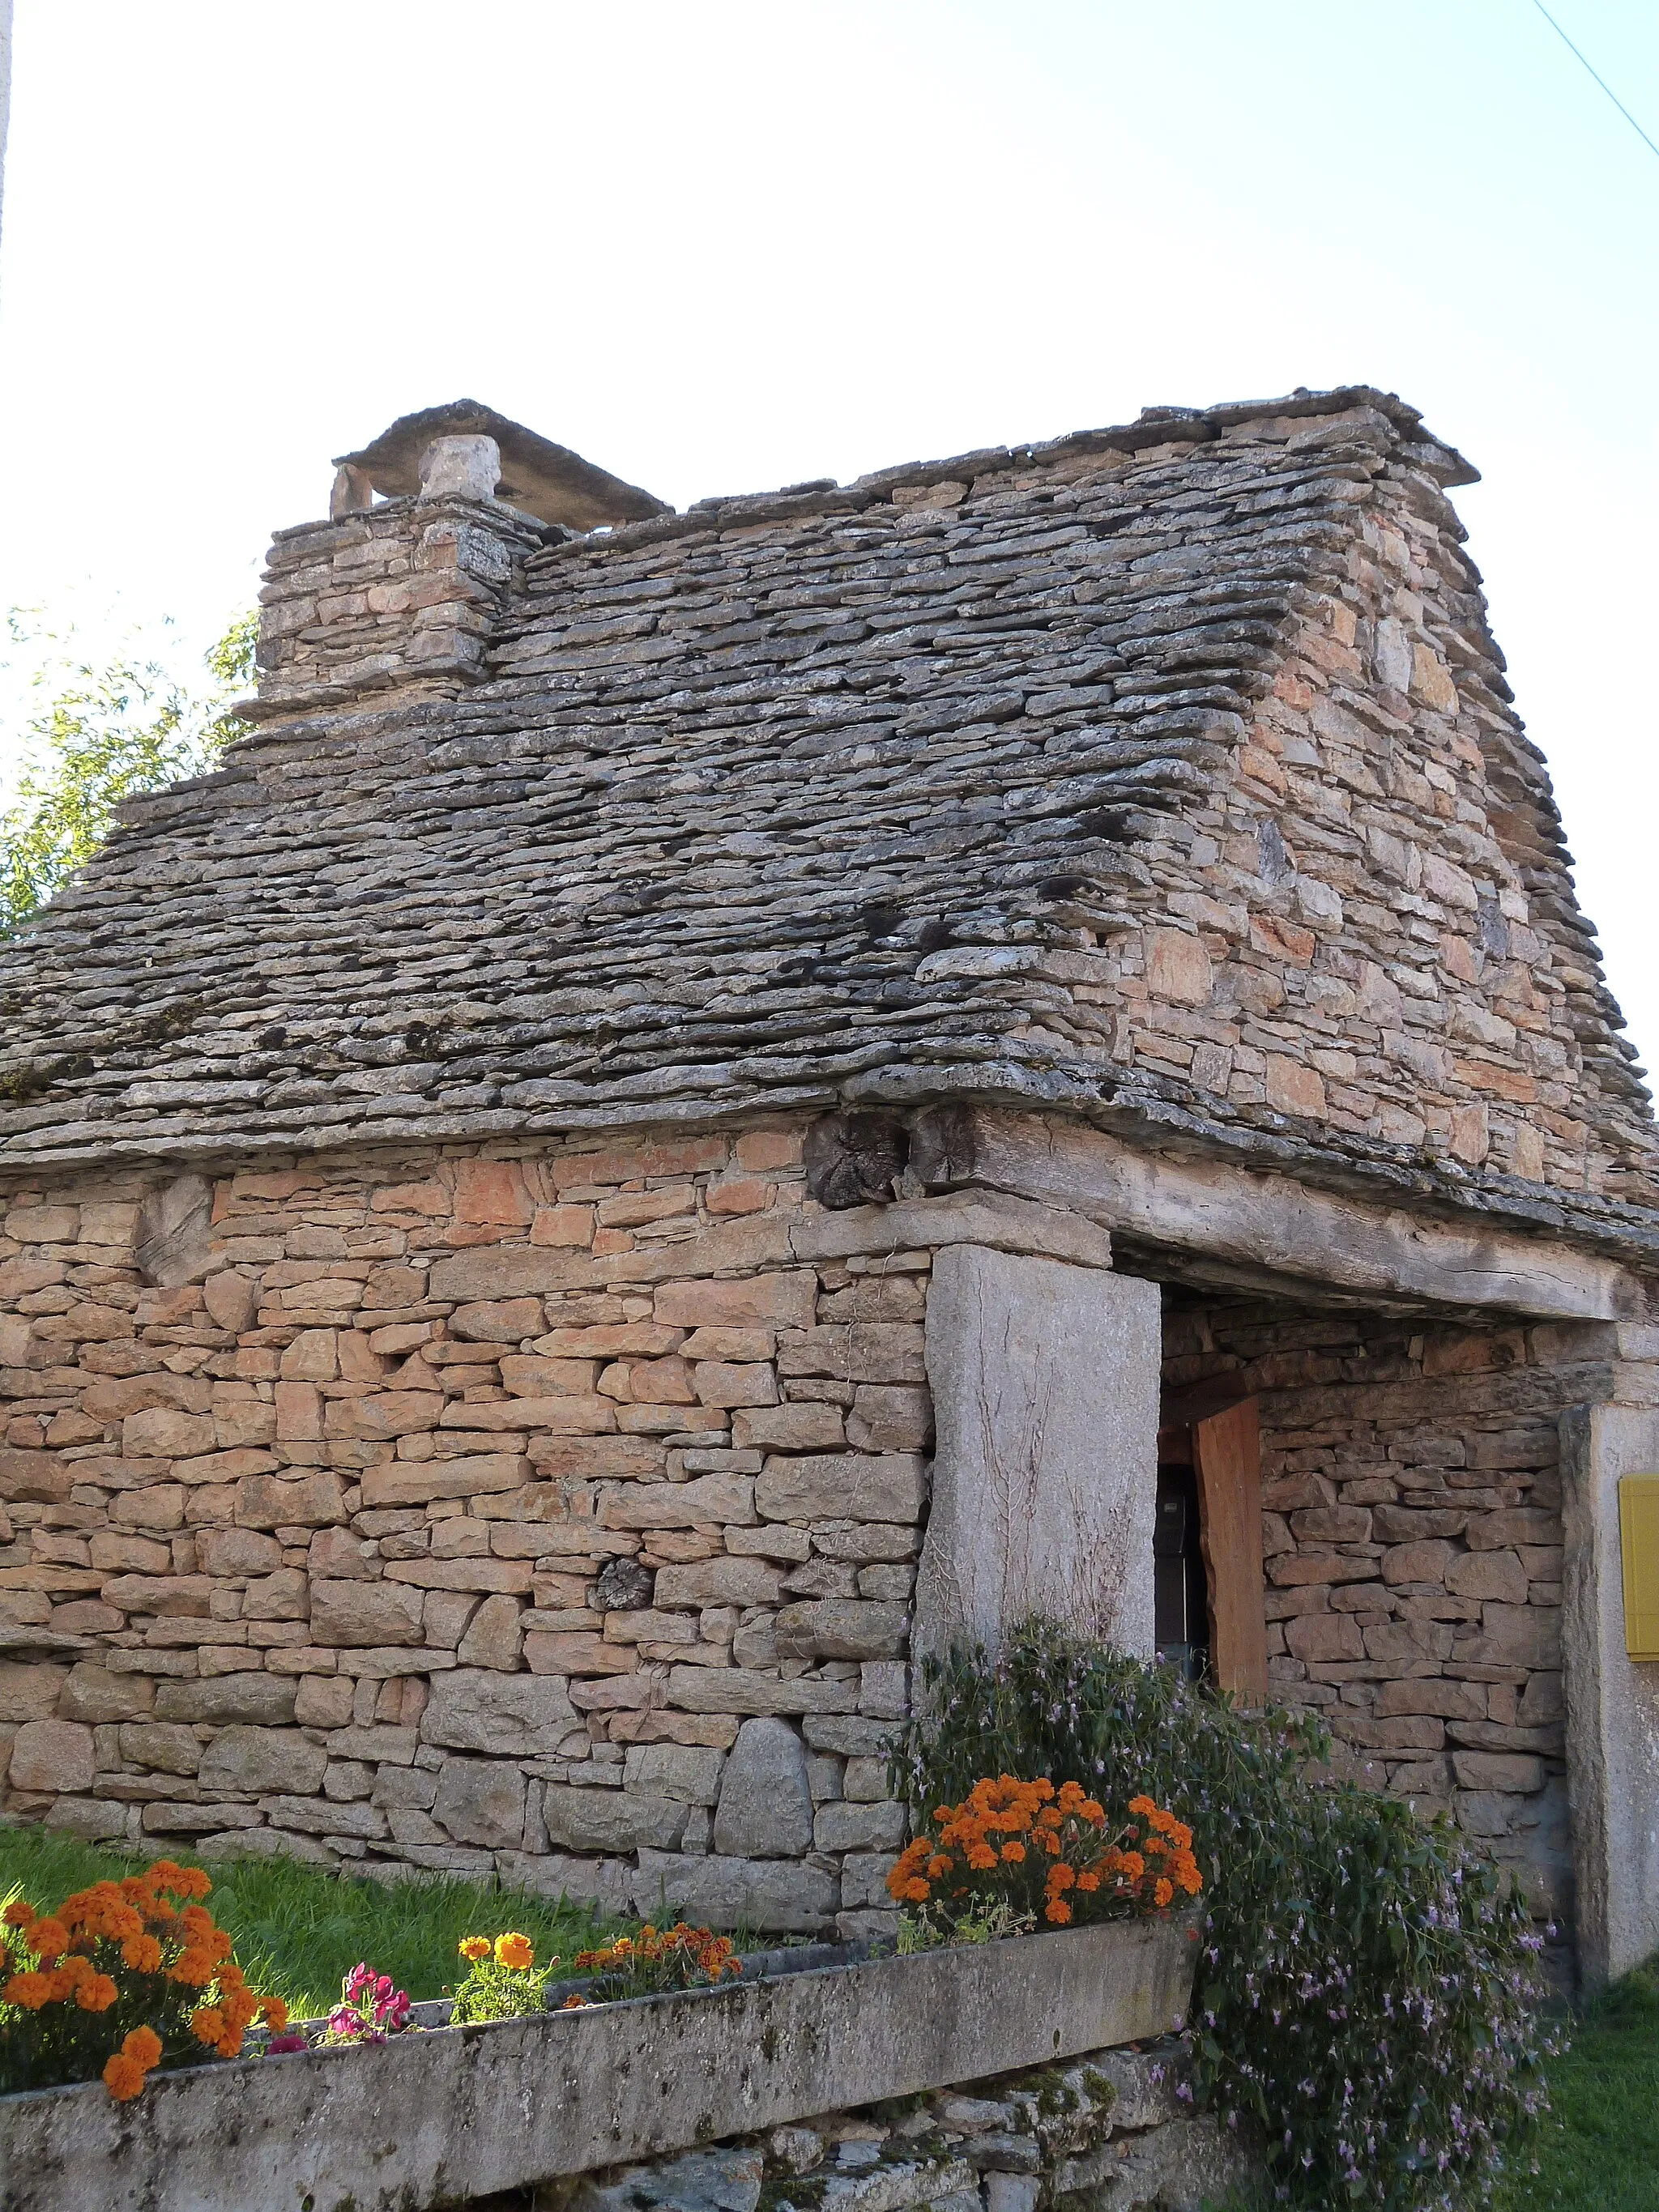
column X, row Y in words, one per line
column 544, row 480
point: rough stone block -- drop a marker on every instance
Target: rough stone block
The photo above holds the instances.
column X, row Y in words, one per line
column 252, row 1700
column 1494, row 1770
column 54, row 1755
column 701, row 2181
column 510, row 1716
column 803, row 1427
column 355, row 1613
column 238, row 1551
column 268, row 1501
column 722, row 1581
column 597, row 1819
column 688, row 1772
column 496, row 1637
column 890, row 1417
column 93, row 1694
column 263, row 1758
column 166, row 1746
column 772, row 1896
column 747, row 1690
column 756, row 1301
column 1425, row 1562
column 892, row 1487
column 841, row 1628
column 870, row 1827
column 765, row 1807
column 482, row 1800
column 726, row 1498
column 1488, row 1575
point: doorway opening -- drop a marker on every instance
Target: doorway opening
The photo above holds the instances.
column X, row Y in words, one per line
column 1209, row 1602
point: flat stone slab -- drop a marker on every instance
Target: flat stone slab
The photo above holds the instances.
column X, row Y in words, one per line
column 446, row 2116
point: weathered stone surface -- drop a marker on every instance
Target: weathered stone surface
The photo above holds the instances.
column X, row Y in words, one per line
column 93, row 1694
column 482, row 1800
column 256, row 1759
column 496, row 1637
column 602, row 1820
column 892, row 1487
column 688, row 1772
column 269, row 1501
column 772, row 1896
column 51, row 1755
column 509, row 1715
column 765, row 1808
column 1046, row 1392
column 871, row 1827
column 252, row 1700
column 355, row 1613
column 166, row 1746
column 702, row 2181
column 843, row 1628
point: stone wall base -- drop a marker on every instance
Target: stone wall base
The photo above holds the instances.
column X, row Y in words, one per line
column 1111, row 2132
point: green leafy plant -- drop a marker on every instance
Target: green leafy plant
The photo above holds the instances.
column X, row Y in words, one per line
column 103, row 734
column 503, row 1981
column 1364, row 1998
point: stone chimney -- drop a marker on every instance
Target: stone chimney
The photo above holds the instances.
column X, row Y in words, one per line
column 400, row 590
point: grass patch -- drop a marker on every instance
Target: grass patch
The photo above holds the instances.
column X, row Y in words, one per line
column 1600, row 2140
column 299, row 1929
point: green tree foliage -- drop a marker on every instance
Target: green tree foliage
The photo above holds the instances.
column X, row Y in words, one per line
column 102, row 734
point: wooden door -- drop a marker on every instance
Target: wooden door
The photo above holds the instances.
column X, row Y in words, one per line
column 1227, row 1455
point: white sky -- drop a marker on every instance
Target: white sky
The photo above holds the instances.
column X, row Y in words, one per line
column 722, row 247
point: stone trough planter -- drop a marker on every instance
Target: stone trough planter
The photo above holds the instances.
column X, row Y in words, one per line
column 440, row 2118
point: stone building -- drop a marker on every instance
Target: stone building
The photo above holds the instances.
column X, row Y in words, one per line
column 709, row 1097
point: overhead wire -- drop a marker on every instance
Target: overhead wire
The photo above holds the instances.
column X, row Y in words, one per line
column 1595, row 73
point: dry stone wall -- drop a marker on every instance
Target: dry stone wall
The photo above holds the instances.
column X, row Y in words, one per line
column 1413, row 1532
column 544, row 1514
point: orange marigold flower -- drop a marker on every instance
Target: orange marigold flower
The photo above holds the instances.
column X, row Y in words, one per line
column 1142, row 1806
column 29, row 1989
column 142, row 1953
column 275, row 2013
column 124, row 2078
column 144, row 2045
column 474, row 1947
column 96, row 1993
column 1013, row 1853
column 1163, row 1891
column 49, row 1938
column 193, row 1968
column 207, row 2024
column 573, row 2004
column 914, row 1892
column 982, row 1857
column 514, row 1950
column 1088, row 1879
column 19, row 1913
column 1058, row 1910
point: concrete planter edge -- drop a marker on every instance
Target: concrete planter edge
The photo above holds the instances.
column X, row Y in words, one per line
column 438, row 2118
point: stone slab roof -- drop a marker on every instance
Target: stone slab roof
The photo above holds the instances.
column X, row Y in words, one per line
column 1164, row 775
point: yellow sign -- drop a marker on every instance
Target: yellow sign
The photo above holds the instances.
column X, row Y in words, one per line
column 1638, row 1544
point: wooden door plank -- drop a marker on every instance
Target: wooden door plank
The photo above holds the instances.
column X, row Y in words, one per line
column 1227, row 1454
